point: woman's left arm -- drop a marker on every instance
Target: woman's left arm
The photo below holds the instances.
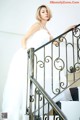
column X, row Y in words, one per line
column 56, row 43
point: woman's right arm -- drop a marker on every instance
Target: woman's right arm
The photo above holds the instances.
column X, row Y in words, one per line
column 34, row 28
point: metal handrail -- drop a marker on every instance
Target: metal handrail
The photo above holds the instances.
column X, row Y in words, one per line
column 56, row 38
column 51, row 102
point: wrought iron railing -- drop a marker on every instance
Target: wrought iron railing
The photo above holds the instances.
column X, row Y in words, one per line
column 37, row 97
column 49, row 70
column 58, row 63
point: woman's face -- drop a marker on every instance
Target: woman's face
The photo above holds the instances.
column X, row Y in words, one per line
column 44, row 14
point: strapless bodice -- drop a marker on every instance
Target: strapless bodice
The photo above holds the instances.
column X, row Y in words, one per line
column 38, row 38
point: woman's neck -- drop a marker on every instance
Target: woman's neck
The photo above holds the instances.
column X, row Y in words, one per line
column 43, row 24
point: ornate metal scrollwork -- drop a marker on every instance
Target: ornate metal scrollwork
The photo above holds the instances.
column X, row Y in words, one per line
column 39, row 93
column 41, row 63
column 63, row 38
column 27, row 111
column 31, row 98
column 76, row 32
column 57, row 118
column 45, row 117
column 59, row 64
column 47, row 59
column 77, row 66
column 72, row 69
column 57, row 90
column 62, row 85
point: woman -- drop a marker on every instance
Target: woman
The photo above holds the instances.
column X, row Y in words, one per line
column 14, row 92
column 14, row 97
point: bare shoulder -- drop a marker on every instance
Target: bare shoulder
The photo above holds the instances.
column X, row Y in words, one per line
column 35, row 26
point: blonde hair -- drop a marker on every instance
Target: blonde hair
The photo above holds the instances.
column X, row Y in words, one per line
column 38, row 17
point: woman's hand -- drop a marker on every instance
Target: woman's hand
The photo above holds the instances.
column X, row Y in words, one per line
column 56, row 43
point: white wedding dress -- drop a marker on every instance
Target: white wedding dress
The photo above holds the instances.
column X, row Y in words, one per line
column 14, row 96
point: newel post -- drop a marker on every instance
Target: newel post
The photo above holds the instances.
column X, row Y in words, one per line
column 31, row 74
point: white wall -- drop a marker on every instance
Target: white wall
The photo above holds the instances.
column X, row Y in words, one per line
column 16, row 16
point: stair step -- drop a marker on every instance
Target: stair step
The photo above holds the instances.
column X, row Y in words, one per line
column 71, row 109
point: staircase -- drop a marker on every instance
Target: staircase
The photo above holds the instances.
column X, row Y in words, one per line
column 72, row 108
column 53, row 73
